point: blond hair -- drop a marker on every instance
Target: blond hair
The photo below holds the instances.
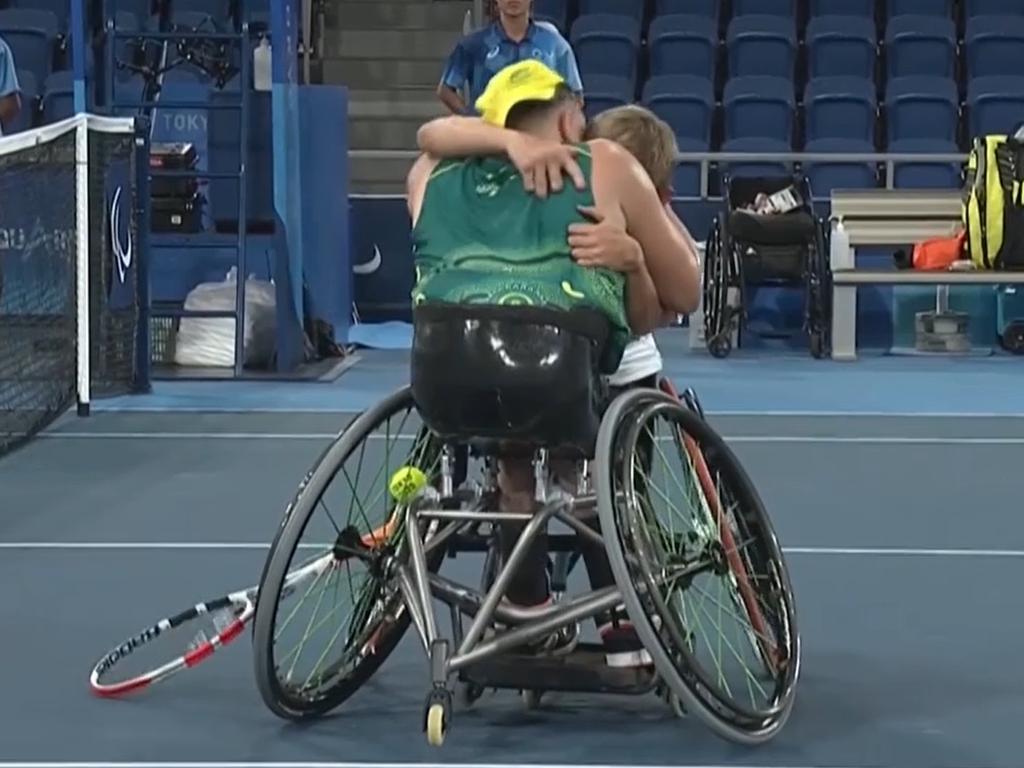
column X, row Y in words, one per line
column 644, row 135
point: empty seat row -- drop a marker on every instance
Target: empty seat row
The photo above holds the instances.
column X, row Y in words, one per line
column 43, row 102
column 914, row 45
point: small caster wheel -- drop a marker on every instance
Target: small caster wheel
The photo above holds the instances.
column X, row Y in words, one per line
column 532, row 699
column 438, row 716
column 720, row 346
column 677, row 706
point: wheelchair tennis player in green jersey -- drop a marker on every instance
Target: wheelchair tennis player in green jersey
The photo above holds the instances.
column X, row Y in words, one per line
column 489, row 237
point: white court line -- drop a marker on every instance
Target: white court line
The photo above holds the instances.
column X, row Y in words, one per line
column 299, row 436
column 245, row 545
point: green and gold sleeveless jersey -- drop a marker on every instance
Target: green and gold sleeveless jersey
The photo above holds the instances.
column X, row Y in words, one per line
column 481, row 238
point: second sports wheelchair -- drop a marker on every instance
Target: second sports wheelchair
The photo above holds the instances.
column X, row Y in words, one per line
column 695, row 560
column 746, row 250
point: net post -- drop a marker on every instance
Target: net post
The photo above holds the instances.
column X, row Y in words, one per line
column 143, row 352
column 82, row 302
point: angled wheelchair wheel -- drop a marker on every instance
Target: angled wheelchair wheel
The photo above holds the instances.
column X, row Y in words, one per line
column 327, row 613
column 702, row 574
column 718, row 263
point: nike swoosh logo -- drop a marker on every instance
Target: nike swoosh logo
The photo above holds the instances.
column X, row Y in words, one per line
column 371, row 266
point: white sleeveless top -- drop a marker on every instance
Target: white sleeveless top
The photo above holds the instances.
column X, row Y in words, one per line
column 640, row 360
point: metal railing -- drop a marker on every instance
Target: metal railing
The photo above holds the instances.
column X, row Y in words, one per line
column 708, row 160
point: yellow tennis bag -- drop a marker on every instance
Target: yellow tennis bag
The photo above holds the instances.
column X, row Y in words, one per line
column 993, row 203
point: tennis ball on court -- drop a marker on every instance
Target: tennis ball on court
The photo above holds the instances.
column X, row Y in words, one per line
column 406, row 483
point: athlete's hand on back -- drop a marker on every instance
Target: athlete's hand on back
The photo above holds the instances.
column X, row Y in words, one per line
column 602, row 243
column 542, row 163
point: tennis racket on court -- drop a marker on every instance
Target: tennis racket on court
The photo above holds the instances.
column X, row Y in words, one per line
column 191, row 637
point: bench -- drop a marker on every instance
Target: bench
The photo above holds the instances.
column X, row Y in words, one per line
column 893, row 217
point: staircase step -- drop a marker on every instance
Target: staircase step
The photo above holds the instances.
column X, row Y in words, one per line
column 389, row 14
column 377, row 133
column 391, row 44
column 371, row 169
column 419, row 108
column 373, row 73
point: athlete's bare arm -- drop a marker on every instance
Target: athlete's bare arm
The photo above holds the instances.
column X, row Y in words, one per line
column 416, row 184
column 668, row 250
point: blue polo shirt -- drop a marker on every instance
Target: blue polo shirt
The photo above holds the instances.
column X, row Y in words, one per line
column 481, row 55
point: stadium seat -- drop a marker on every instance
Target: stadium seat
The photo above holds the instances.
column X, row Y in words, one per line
column 974, row 8
column 921, row 8
column 921, row 45
column 202, row 21
column 635, row 10
column 143, row 9
column 603, row 92
column 827, row 175
column 128, row 91
column 840, row 108
column 61, row 10
column 756, row 167
column 58, row 100
column 683, row 45
column 994, row 45
column 30, row 34
column 555, row 11
column 922, row 108
column 784, row 8
column 841, row 46
column 686, row 103
column 995, row 104
column 606, row 45
column 926, row 175
column 759, row 107
column 762, row 45
column 864, row 8
column 686, row 177
column 29, row 103
column 216, row 8
column 707, row 8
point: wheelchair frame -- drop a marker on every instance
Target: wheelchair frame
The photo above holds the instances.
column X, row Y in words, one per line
column 433, row 527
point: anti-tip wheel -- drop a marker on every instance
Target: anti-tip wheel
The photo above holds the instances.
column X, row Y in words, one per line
column 532, row 699
column 437, row 726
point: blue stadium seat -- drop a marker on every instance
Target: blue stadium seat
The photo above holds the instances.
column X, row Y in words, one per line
column 993, row 8
column 142, row 9
column 995, row 104
column 921, row 45
column 606, row 45
column 841, row 46
column 921, row 8
column 865, row 8
column 30, row 34
column 129, row 91
column 784, row 8
column 759, row 106
column 827, row 175
column 708, row 8
column 755, row 167
column 922, row 108
column 603, row 92
column 555, row 11
column 216, row 8
column 61, row 10
column 186, row 73
column 29, row 103
column 686, row 177
column 202, row 21
column 634, row 10
column 762, row 45
column 683, row 45
column 926, row 175
column 840, row 108
column 994, row 45
column 686, row 103
column 58, row 100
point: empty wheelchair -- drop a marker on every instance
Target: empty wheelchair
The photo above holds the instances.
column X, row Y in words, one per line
column 695, row 560
column 746, row 250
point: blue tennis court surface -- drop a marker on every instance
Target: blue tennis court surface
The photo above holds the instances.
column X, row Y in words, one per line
column 904, row 533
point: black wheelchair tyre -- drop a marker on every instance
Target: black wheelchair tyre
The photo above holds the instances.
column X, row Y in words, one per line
column 670, row 662
column 281, row 553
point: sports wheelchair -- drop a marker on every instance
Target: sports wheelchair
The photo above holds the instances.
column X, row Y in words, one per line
column 745, row 249
column 691, row 548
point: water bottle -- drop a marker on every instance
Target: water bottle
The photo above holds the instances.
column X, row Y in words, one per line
column 261, row 76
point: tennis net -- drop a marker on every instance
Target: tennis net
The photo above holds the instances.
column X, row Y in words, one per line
column 69, row 270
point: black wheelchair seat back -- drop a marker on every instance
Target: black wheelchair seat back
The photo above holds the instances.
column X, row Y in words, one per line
column 525, row 376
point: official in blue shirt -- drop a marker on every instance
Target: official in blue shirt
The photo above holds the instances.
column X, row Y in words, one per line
column 514, row 36
column 10, row 91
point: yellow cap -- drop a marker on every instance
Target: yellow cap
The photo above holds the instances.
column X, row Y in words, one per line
column 528, row 80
